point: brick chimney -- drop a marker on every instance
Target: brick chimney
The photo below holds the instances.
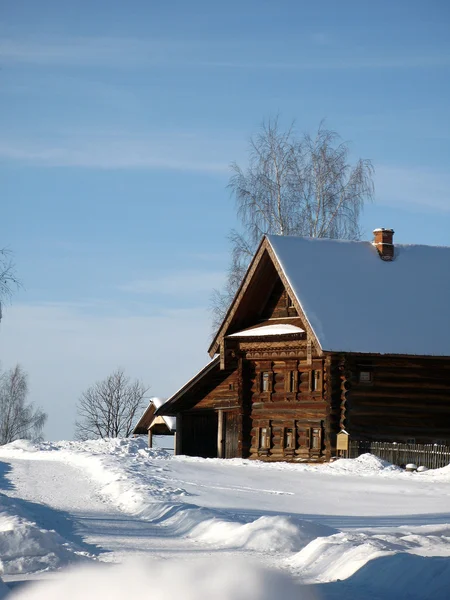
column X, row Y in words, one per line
column 384, row 242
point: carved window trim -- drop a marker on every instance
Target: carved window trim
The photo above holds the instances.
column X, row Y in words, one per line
column 315, row 381
column 264, row 440
column 291, row 381
column 265, row 381
column 315, row 438
column 289, row 439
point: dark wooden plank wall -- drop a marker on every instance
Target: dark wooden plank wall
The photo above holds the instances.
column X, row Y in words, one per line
column 407, row 399
column 223, row 391
column 277, row 304
column 199, row 434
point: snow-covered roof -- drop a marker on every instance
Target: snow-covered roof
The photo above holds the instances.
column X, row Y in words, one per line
column 356, row 302
column 145, row 420
column 276, row 329
column 169, row 421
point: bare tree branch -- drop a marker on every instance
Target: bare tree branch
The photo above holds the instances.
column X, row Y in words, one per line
column 293, row 186
column 18, row 420
column 8, row 277
column 109, row 408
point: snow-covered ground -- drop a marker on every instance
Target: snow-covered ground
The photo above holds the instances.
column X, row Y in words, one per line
column 360, row 528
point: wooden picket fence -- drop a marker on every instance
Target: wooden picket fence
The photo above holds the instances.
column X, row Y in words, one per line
column 432, row 456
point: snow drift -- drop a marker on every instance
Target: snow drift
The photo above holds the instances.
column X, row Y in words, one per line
column 279, row 512
column 27, row 548
column 266, row 534
column 169, row 580
column 392, row 562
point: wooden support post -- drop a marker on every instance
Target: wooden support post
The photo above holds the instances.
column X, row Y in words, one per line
column 150, row 438
column 240, row 390
column 178, row 447
column 220, row 449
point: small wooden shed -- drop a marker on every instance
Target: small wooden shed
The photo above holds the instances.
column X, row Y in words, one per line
column 150, row 424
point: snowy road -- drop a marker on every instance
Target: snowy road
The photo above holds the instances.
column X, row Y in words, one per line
column 109, row 501
column 61, row 497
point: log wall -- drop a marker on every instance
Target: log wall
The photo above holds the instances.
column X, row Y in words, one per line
column 282, row 419
column 288, row 413
column 223, row 392
column 406, row 399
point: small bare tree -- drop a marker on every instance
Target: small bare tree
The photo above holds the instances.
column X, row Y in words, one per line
column 293, row 186
column 109, row 407
column 8, row 278
column 18, row 420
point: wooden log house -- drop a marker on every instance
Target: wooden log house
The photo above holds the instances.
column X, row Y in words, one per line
column 324, row 337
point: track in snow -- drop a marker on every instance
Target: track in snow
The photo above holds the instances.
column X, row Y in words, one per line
column 60, row 497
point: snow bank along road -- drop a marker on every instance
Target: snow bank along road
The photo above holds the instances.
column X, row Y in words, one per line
column 355, row 526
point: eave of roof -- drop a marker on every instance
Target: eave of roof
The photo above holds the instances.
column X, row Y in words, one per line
column 166, row 408
column 143, row 423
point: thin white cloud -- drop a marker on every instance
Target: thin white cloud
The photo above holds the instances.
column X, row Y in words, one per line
column 184, row 282
column 140, row 53
column 88, row 51
column 119, row 152
column 413, row 187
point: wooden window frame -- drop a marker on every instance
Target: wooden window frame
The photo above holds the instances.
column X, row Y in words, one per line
column 315, row 381
column 291, row 381
column 311, row 437
column 368, row 372
column 293, row 445
column 263, row 380
column 264, row 434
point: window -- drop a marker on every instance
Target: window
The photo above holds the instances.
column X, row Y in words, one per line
column 365, row 377
column 316, row 438
column 231, row 386
column 411, row 441
column 289, row 439
column 292, row 381
column 315, row 381
column 264, row 438
column 290, row 303
column 315, row 441
column 265, row 381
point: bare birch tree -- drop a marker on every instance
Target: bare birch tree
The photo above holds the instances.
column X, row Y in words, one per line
column 109, row 408
column 8, row 278
column 18, row 419
column 303, row 186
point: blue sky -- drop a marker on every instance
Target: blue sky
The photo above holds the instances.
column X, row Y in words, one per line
column 119, row 121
